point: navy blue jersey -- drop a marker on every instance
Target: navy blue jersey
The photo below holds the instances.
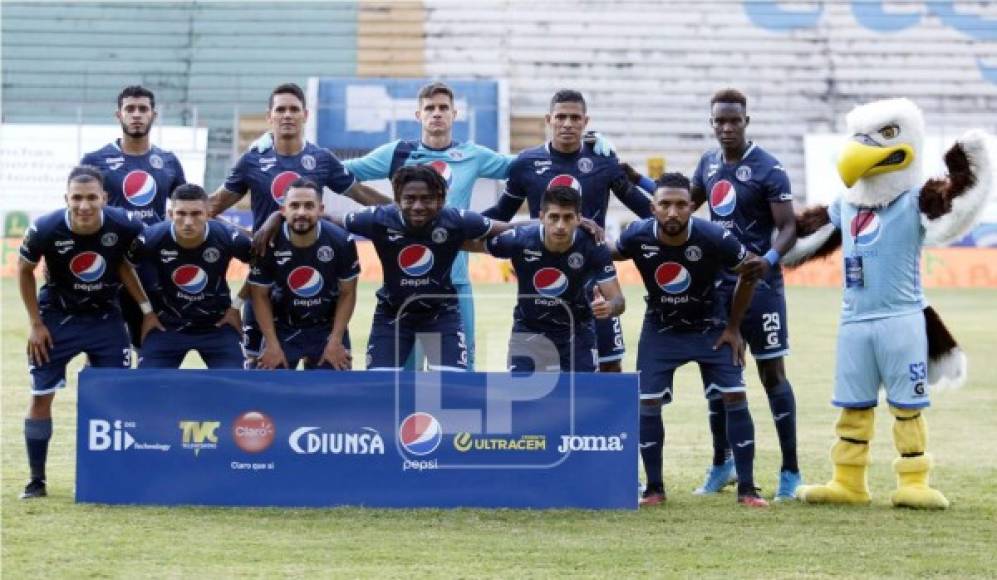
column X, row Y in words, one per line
column 140, row 184
column 552, row 286
column 81, row 272
column 304, row 282
column 593, row 176
column 680, row 279
column 266, row 176
column 739, row 194
column 417, row 261
column 187, row 286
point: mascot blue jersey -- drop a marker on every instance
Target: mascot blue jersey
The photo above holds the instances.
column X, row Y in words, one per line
column 460, row 164
column 888, row 240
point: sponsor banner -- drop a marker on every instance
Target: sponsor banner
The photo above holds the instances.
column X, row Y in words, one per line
column 322, row 438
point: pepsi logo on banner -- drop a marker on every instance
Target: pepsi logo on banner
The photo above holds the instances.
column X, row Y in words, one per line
column 420, row 433
column 865, row 227
column 723, row 198
column 88, row 266
column 279, row 185
column 415, row 260
column 550, row 282
column 672, row 277
column 190, row 278
column 565, row 180
column 305, row 281
column 139, row 188
column 443, row 168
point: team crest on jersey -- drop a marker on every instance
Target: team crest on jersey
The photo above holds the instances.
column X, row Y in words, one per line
column 415, row 260
column 575, row 260
column 672, row 277
column 693, row 253
column 865, row 227
column 565, row 180
column 305, row 281
column 211, row 255
column 308, row 162
column 324, row 254
column 190, row 278
column 109, row 239
column 279, row 185
column 723, row 198
column 550, row 282
column 139, row 187
column 156, row 161
column 440, row 235
column 88, row 266
column 743, row 173
column 585, row 165
column 443, row 168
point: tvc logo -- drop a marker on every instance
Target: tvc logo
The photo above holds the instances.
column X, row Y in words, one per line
column 105, row 435
column 198, row 435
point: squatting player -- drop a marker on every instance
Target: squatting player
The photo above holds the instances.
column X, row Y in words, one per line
column 76, row 311
column 749, row 194
column 305, row 287
column 555, row 261
column 568, row 160
column 188, row 257
column 679, row 258
column 138, row 176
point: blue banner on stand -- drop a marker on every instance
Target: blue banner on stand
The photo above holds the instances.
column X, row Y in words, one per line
column 378, row 439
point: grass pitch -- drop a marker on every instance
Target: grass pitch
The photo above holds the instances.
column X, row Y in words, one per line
column 689, row 537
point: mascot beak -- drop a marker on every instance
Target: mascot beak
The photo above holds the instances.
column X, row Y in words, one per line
column 863, row 157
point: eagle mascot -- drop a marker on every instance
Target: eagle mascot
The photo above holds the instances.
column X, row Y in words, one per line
column 888, row 335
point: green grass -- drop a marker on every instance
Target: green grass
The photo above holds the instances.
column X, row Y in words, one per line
column 689, row 537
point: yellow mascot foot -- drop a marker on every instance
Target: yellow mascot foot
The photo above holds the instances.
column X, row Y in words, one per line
column 847, row 487
column 912, row 485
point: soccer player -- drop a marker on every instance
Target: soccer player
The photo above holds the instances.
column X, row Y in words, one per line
column 76, row 311
column 679, row 258
column 188, row 257
column 568, row 160
column 267, row 174
column 307, row 281
column 138, row 176
column 555, row 260
column 749, row 194
column 417, row 240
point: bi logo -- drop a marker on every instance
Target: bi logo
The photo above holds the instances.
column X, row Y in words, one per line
column 865, row 227
column 565, row 180
column 723, row 198
column 415, row 260
column 139, row 188
column 550, row 282
column 443, row 168
column 279, row 185
column 88, row 266
column 420, row 433
column 672, row 277
column 305, row 281
column 190, row 278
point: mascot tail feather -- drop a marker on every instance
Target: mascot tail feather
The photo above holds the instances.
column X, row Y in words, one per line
column 947, row 363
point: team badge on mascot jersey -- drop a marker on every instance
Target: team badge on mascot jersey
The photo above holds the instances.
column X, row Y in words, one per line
column 279, row 185
column 190, row 278
column 88, row 266
column 139, row 188
column 420, row 433
column 723, row 198
column 415, row 260
column 672, row 277
column 865, row 227
column 550, row 282
column 305, row 281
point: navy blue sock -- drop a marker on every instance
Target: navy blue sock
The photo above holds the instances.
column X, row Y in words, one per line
column 37, row 433
column 718, row 427
column 741, row 433
column 783, row 405
column 652, row 440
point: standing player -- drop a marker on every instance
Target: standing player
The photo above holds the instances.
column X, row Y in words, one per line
column 679, row 257
column 749, row 195
column 189, row 256
column 76, row 310
column 138, row 176
column 555, row 262
column 307, row 281
column 267, row 174
column 567, row 160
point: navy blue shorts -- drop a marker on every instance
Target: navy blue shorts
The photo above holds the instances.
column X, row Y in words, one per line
column 306, row 345
column 764, row 327
column 660, row 352
column 392, row 339
column 218, row 348
column 532, row 350
column 609, row 339
column 102, row 337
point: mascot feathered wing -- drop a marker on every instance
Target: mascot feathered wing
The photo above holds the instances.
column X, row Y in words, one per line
column 883, row 220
